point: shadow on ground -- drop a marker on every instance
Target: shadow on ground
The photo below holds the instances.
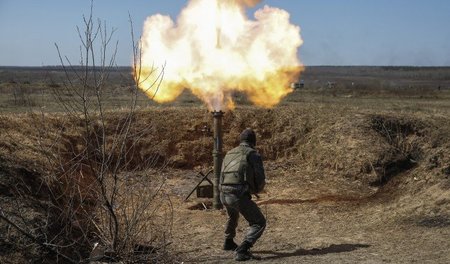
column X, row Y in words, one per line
column 315, row 251
column 436, row 221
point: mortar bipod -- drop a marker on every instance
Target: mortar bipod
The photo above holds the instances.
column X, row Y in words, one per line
column 204, row 178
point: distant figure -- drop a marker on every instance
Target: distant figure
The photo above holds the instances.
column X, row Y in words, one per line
column 439, row 88
column 242, row 175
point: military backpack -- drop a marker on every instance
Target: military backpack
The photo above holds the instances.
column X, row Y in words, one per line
column 236, row 169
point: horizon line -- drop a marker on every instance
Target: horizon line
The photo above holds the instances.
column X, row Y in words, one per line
column 306, row 66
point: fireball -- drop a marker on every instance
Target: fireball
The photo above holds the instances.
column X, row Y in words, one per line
column 213, row 49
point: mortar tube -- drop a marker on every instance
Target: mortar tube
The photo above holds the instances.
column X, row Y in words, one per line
column 217, row 156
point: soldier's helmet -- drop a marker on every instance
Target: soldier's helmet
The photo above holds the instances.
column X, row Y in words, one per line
column 249, row 136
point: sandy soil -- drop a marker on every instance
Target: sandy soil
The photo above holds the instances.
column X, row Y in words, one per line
column 345, row 184
column 306, row 225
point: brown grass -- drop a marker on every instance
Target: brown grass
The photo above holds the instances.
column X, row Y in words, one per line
column 358, row 142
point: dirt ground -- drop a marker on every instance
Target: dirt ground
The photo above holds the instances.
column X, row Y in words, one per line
column 339, row 189
column 342, row 213
column 309, row 226
column 351, row 177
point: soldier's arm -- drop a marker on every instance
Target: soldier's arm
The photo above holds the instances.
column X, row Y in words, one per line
column 258, row 167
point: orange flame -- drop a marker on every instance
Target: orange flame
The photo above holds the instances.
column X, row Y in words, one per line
column 215, row 50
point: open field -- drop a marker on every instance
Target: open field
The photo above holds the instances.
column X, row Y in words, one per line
column 358, row 165
column 23, row 88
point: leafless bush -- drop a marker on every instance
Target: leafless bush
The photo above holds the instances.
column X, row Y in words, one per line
column 403, row 136
column 95, row 199
column 398, row 133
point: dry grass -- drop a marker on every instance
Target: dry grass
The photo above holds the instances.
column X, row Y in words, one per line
column 390, row 145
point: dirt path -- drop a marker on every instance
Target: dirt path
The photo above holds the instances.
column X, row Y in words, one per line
column 319, row 230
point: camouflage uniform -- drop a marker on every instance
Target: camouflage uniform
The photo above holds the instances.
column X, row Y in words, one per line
column 242, row 175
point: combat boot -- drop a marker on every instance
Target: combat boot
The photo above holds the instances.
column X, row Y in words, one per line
column 229, row 244
column 242, row 253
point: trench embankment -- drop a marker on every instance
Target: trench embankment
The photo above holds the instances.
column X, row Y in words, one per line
column 404, row 157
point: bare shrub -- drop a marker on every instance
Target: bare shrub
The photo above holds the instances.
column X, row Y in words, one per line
column 96, row 200
column 403, row 137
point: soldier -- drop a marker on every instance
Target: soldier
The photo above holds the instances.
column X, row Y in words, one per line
column 242, row 175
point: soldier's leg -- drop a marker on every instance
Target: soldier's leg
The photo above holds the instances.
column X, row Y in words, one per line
column 254, row 217
column 232, row 222
column 231, row 202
